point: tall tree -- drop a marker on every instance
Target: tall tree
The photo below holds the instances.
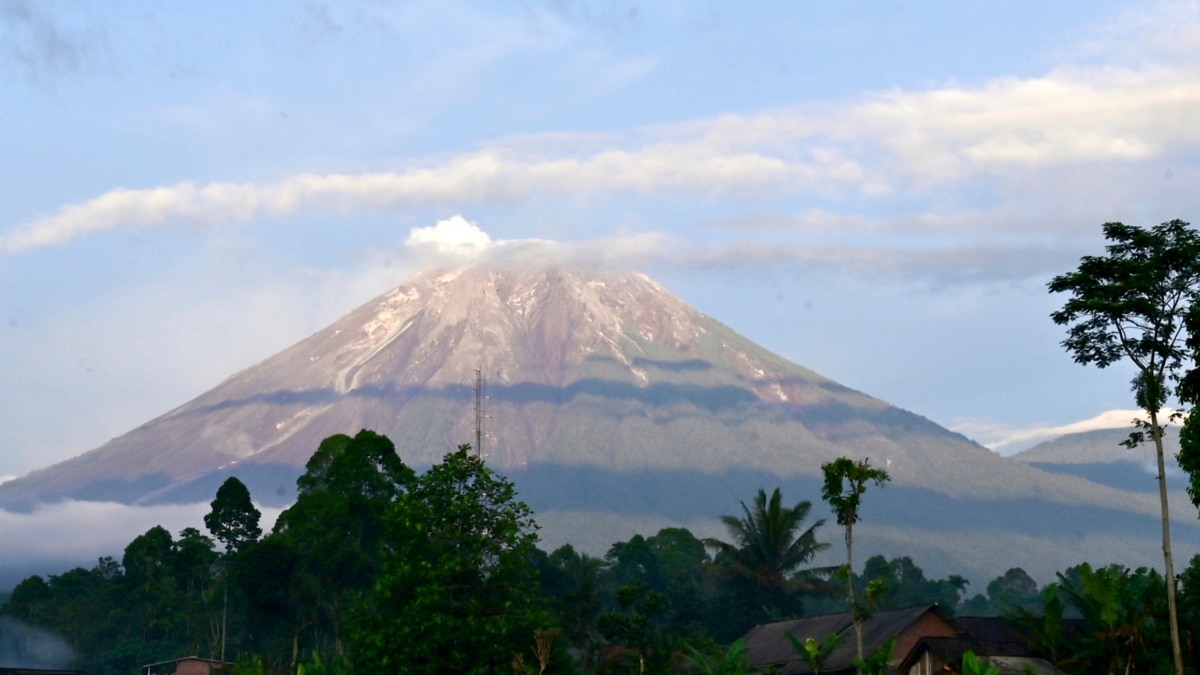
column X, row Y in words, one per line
column 1136, row 304
column 769, row 546
column 845, row 483
column 233, row 519
column 458, row 592
column 337, row 524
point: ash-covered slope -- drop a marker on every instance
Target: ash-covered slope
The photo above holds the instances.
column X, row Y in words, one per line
column 613, row 405
column 584, row 368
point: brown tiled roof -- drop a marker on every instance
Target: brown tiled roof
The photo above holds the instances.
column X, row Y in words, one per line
column 767, row 644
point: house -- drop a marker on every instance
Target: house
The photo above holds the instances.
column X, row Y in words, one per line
column 1009, row 645
column 944, row 656
column 188, row 665
column 767, row 646
column 929, row 641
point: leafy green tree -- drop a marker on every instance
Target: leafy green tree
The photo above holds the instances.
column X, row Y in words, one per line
column 457, row 591
column 639, row 625
column 150, row 582
column 29, row 601
column 1120, row 609
column 264, row 573
column 193, row 565
column 233, row 519
column 845, row 483
column 1137, row 303
column 767, row 553
column 336, row 527
column 571, row 583
column 899, row 582
column 1012, row 591
column 684, row 569
column 633, row 562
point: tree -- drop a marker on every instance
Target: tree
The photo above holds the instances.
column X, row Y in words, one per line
column 1119, row 607
column 845, row 483
column 457, row 592
column 769, row 547
column 639, row 624
column 1013, row 591
column 1137, row 303
column 233, row 519
column 150, row 583
column 899, row 582
column 337, row 524
column 571, row 583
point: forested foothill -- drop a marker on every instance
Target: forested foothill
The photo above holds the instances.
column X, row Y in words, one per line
column 377, row 568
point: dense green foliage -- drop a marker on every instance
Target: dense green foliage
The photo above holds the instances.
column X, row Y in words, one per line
column 456, row 592
column 765, row 561
column 378, row 569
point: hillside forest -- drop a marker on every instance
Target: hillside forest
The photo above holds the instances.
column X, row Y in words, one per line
column 376, row 568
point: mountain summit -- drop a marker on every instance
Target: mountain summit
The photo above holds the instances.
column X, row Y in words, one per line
column 612, row 403
column 581, row 367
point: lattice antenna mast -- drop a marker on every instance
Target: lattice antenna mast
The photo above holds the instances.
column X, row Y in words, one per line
column 479, row 411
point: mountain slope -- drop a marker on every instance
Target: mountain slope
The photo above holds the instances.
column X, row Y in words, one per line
column 1099, row 457
column 609, row 399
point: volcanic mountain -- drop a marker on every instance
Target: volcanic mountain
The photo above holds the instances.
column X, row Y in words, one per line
column 615, row 407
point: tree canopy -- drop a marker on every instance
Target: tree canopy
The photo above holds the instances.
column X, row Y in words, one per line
column 769, row 547
column 1137, row 303
column 457, row 592
column 233, row 519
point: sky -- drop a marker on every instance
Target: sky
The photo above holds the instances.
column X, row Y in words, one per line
column 878, row 191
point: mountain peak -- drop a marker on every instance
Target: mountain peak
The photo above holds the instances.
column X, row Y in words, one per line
column 609, row 399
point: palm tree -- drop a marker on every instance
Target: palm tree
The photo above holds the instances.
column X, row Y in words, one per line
column 769, row 549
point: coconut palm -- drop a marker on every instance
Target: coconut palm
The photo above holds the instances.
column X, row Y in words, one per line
column 769, row 548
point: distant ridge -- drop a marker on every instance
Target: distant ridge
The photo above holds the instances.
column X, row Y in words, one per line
column 1099, row 446
column 1099, row 457
column 615, row 407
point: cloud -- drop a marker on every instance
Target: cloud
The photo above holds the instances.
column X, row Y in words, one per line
column 82, row 532
column 455, row 236
column 1008, row 440
column 878, row 183
column 889, row 142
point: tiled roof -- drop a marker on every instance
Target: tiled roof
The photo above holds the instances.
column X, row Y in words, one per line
column 767, row 644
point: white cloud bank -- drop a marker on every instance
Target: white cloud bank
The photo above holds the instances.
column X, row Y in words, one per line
column 85, row 531
column 910, row 142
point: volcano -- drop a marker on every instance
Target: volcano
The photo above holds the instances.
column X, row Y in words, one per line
column 615, row 407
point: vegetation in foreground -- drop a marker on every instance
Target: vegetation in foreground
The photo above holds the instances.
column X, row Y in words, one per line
column 378, row 569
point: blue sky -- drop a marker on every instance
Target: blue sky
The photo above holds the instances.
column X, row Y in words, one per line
column 878, row 191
